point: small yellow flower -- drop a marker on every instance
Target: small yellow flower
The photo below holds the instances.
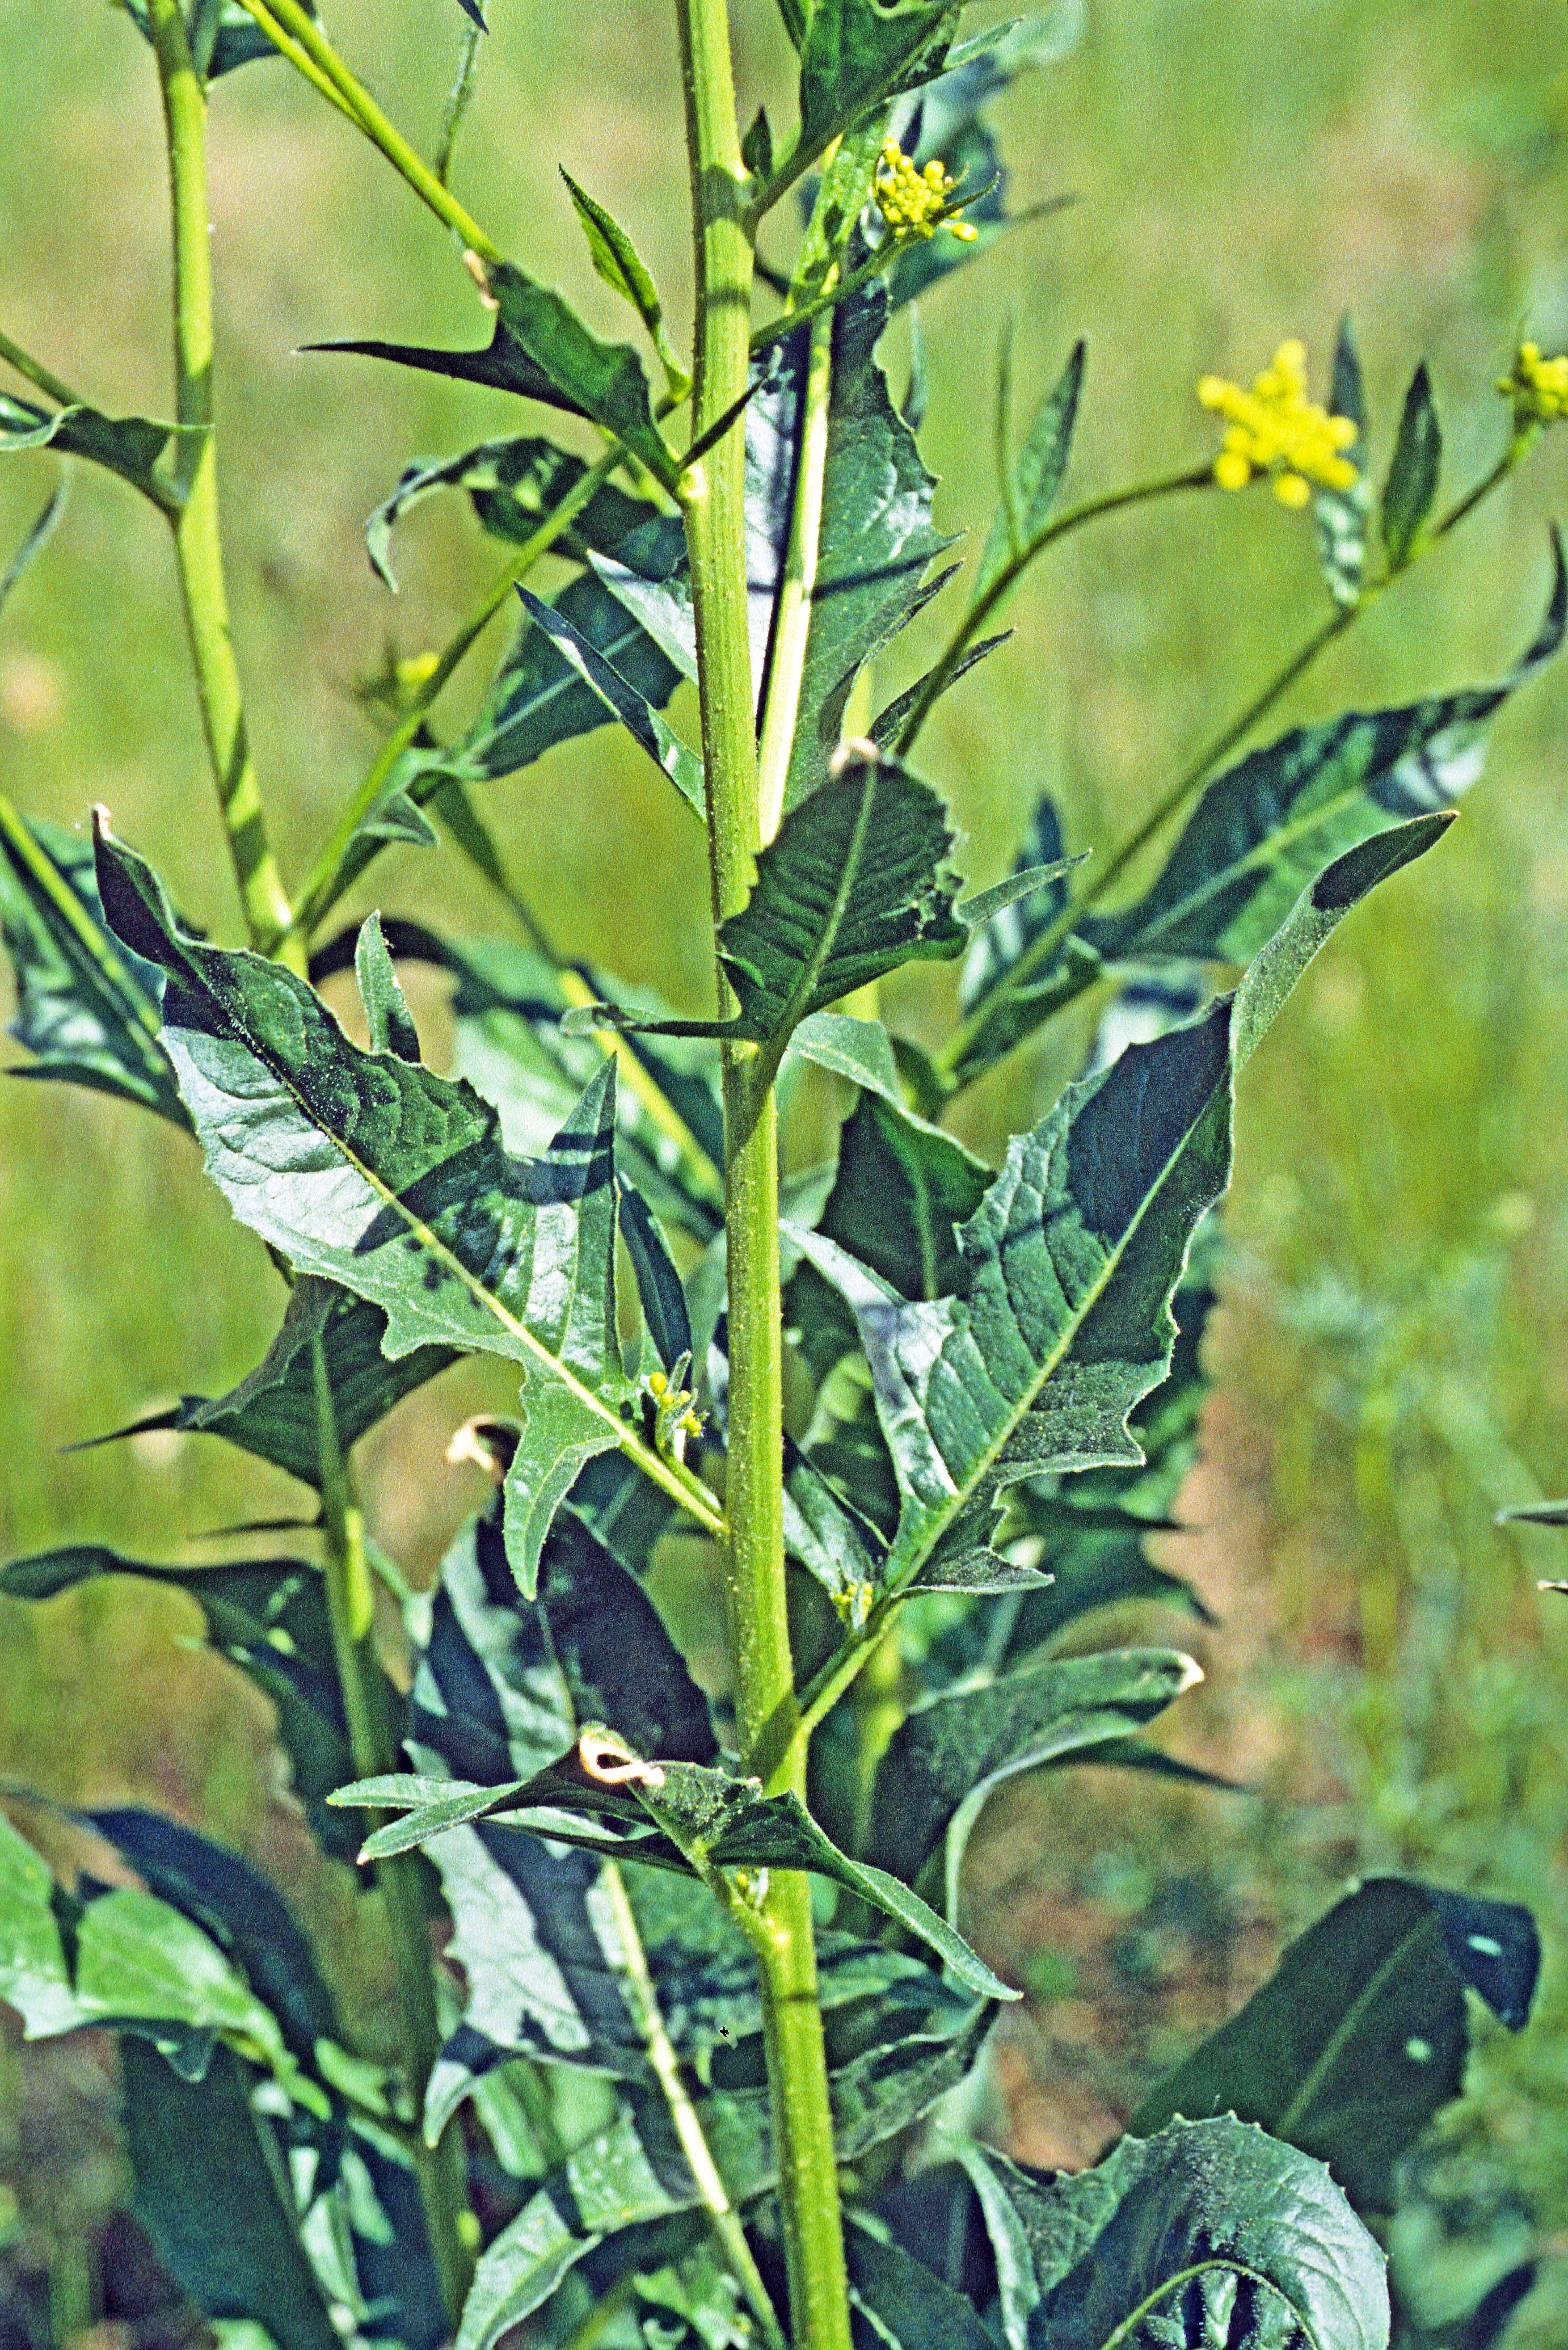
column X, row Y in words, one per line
column 1276, row 430
column 676, row 1411
column 1538, row 388
column 914, row 203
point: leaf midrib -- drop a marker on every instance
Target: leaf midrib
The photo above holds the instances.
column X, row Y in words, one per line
column 698, row 1506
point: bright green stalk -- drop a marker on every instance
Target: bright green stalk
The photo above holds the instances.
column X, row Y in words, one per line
column 37, row 373
column 307, row 48
column 197, row 544
column 713, row 499
column 350, row 1609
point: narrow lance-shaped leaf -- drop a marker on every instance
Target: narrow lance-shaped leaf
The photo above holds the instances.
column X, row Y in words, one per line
column 1341, row 515
column 35, row 539
column 635, row 2171
column 618, row 262
column 86, row 1010
column 621, row 700
column 1209, row 2233
column 372, row 1172
column 1412, row 483
column 1360, row 2037
column 1063, row 1322
column 1041, row 465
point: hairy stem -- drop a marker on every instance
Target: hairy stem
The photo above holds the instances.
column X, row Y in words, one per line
column 713, row 500
column 350, row 1609
column 309, row 51
column 195, row 520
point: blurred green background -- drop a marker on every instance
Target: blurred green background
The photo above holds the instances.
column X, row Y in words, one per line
column 1392, row 1357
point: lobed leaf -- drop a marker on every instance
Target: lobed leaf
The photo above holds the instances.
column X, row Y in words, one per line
column 1360, row 2036
column 951, row 1754
column 1209, row 2233
column 1062, row 1323
column 372, row 1172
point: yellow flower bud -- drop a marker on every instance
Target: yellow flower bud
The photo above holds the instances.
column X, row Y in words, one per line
column 1231, row 470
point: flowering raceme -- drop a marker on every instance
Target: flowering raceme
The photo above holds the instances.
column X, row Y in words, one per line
column 1276, row 430
column 1538, row 388
column 915, row 203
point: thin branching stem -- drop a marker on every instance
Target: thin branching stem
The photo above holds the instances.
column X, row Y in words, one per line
column 195, row 519
column 41, row 378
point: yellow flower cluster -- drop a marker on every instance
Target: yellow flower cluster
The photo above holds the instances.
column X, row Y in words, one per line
column 915, row 203
column 1275, row 429
column 1538, row 388
column 677, row 1412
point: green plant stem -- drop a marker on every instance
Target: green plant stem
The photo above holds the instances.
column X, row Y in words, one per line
column 722, row 2220
column 325, row 882
column 1037, row 955
column 350, row 1605
column 38, row 374
column 459, row 99
column 791, row 619
column 713, row 501
column 194, row 521
column 307, row 46
column 1136, row 493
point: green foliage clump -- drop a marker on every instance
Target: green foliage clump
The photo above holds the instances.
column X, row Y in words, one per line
column 704, row 1987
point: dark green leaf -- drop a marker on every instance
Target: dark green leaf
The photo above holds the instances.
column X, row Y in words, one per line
column 887, row 726
column 538, row 698
column 855, row 881
column 272, row 1411
column 504, row 364
column 757, row 146
column 621, row 700
column 695, row 1812
column 1360, row 2036
column 1342, row 515
column 1041, row 465
column 223, row 33
column 951, row 1753
column 876, row 543
column 618, row 262
column 1000, row 945
column 657, row 1281
column 1537, row 1514
column 1063, row 1324
column 605, row 380
column 1265, row 828
column 860, row 1050
column 1260, row 830
column 508, row 1009
column 86, row 1009
column 902, row 1190
column 911, row 2308
column 515, row 485
column 635, row 2171
column 134, row 447
column 855, row 52
column 1412, row 483
column 1209, row 2233
column 185, row 2136
column 372, row 1172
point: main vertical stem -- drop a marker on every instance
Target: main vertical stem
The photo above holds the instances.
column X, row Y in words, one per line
column 198, row 547
column 713, row 500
